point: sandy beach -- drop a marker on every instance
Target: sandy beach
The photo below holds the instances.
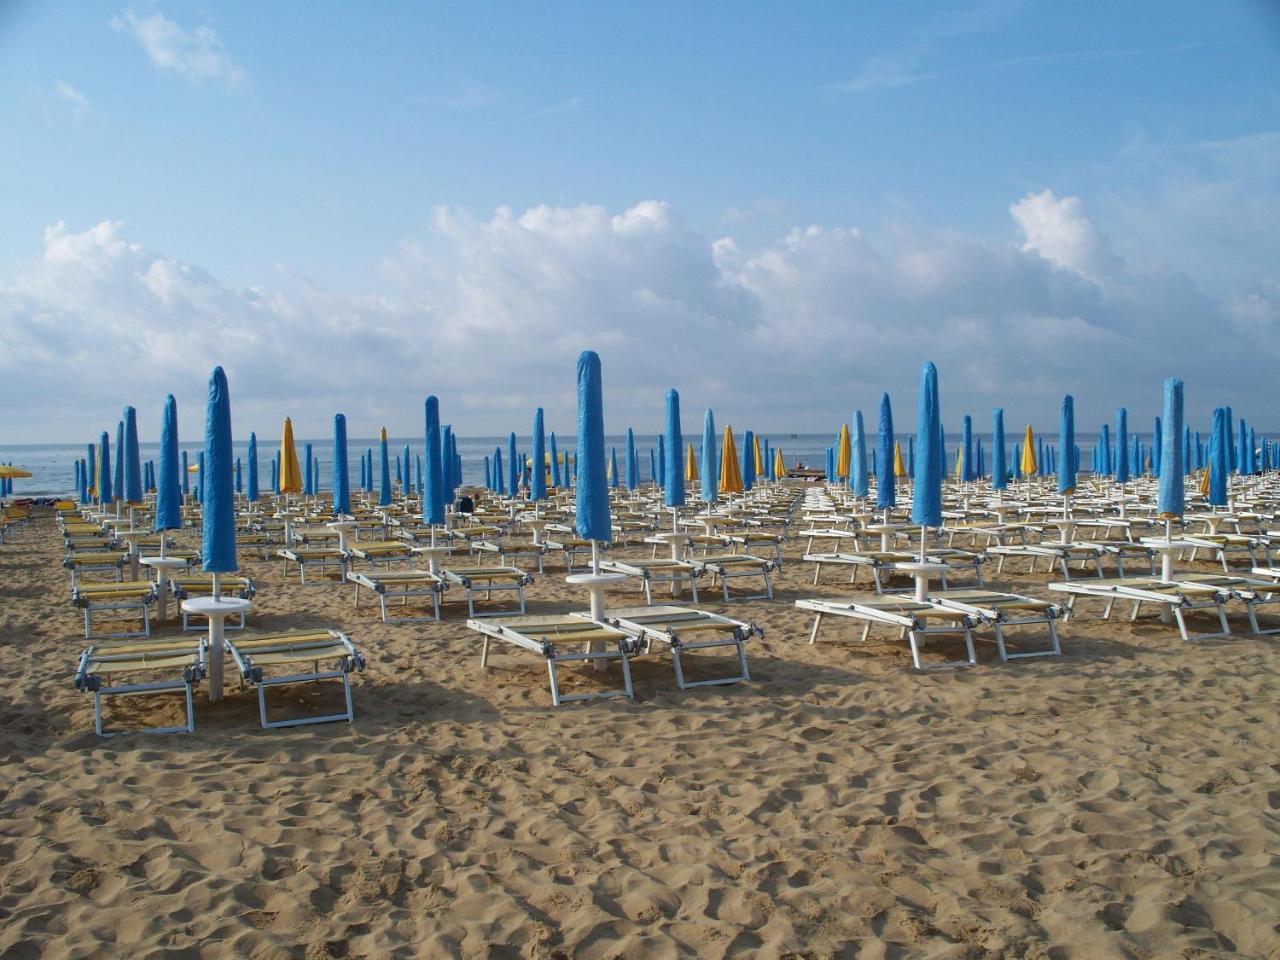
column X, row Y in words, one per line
column 1120, row 801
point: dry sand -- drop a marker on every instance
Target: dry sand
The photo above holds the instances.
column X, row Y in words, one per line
column 1120, row 801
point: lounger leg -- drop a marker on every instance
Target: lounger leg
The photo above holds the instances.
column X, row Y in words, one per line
column 555, row 687
column 648, row 592
column 817, row 621
column 915, row 649
column 1004, row 656
column 866, row 632
column 484, row 654
column 768, row 586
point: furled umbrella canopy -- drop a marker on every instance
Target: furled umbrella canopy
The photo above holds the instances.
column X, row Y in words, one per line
column 290, row 474
column 710, row 466
column 341, row 477
column 218, row 503
column 433, row 476
column 926, row 503
column 538, row 479
column 886, row 487
column 673, row 494
column 168, row 514
column 730, row 473
column 592, row 520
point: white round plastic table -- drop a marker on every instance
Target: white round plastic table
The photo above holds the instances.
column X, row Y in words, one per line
column 162, row 566
column 217, row 610
column 595, row 583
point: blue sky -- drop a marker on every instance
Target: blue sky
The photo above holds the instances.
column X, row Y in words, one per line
column 282, row 150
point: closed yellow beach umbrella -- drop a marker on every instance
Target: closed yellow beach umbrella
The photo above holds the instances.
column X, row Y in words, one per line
column 844, row 452
column 779, row 466
column 691, row 465
column 899, row 468
column 1204, row 482
column 193, row 468
column 290, row 472
column 730, row 471
column 755, row 441
column 959, row 463
column 1028, row 464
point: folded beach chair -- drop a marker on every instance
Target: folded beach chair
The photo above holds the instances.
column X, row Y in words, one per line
column 1178, row 597
column 111, row 598
column 917, row 620
column 317, row 558
column 1001, row 611
column 258, row 657
column 117, row 668
column 185, row 585
column 254, row 541
column 548, row 635
column 726, row 567
column 400, row 585
column 684, row 630
column 488, row 580
column 657, row 571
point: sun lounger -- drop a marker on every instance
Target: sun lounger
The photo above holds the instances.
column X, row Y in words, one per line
column 108, row 669
column 185, row 585
column 256, row 658
column 1178, row 597
column 1225, row 544
column 726, row 567
column 399, row 585
column 112, row 597
column 1003, row 610
column 510, row 551
column 917, row 620
column 548, row 635
column 882, row 562
column 659, row 571
column 488, row 580
column 380, row 552
column 684, row 630
column 317, row 558
column 754, row 542
column 1061, row 554
column 562, row 539
column 105, row 560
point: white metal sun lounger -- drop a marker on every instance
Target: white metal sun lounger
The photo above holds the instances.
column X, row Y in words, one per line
column 376, row 553
column 487, row 580
column 659, row 571
column 910, row 617
column 111, row 598
column 318, row 557
column 399, row 585
column 255, row 656
column 726, row 567
column 546, row 635
column 679, row 628
column 1003, row 610
column 1179, row 597
column 1061, row 554
column 108, row 669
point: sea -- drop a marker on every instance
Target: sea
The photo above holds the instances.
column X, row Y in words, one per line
column 53, row 465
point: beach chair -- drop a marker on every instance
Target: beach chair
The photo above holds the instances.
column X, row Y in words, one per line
column 756, row 542
column 685, row 630
column 561, row 537
column 1178, row 598
column 375, row 553
column 109, row 670
column 511, row 551
column 186, row 585
column 916, row 620
column 111, row 598
column 257, row 657
column 401, row 585
column 83, row 561
column 1060, row 554
column 488, row 580
column 1001, row 611
column 659, row 571
column 732, row 566
column 317, row 558
column 548, row 635
column 1227, row 545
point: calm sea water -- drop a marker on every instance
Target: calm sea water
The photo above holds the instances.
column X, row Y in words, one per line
column 53, row 465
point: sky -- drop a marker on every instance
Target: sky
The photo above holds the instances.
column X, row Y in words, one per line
column 781, row 210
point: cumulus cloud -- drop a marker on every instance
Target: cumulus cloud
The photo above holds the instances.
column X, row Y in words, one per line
column 490, row 314
column 197, row 54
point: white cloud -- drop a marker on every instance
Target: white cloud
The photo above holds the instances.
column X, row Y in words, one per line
column 490, row 314
column 196, row 54
column 80, row 105
column 1059, row 230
